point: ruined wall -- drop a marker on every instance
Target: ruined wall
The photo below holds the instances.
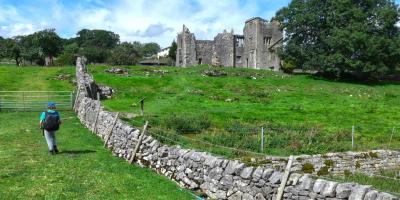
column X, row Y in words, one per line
column 224, row 48
column 186, row 48
column 239, row 50
column 217, row 177
column 204, row 51
column 262, row 38
column 256, row 49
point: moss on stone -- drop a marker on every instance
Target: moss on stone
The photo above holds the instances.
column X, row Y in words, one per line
column 373, row 155
column 299, row 159
column 358, row 165
column 347, row 173
column 323, row 171
column 308, row 168
column 329, row 163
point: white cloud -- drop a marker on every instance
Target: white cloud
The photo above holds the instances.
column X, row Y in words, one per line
column 17, row 29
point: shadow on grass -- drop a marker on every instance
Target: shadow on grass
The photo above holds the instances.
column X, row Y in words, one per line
column 386, row 80
column 77, row 152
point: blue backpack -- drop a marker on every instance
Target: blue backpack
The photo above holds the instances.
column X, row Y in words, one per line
column 51, row 121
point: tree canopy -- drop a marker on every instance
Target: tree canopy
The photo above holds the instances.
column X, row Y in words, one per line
column 342, row 38
column 99, row 46
column 150, row 49
column 49, row 42
column 124, row 54
column 97, row 38
column 172, row 51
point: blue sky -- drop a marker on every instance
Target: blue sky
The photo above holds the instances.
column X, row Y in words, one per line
column 133, row 20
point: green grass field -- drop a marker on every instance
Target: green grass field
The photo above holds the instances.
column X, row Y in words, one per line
column 83, row 169
column 300, row 114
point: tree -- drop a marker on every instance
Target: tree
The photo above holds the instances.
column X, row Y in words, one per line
column 96, row 45
column 97, row 38
column 13, row 49
column 124, row 54
column 29, row 51
column 172, row 51
column 150, row 49
column 138, row 47
column 3, row 49
column 49, row 43
column 342, row 38
column 68, row 55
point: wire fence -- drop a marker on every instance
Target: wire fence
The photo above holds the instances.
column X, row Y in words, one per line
column 267, row 139
column 258, row 143
column 35, row 100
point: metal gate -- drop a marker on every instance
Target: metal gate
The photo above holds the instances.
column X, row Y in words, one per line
column 35, row 100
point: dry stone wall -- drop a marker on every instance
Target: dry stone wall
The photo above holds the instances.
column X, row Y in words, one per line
column 214, row 176
column 370, row 163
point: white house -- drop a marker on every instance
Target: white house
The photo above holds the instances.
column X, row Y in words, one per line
column 163, row 53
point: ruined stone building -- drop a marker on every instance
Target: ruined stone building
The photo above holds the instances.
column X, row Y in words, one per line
column 256, row 48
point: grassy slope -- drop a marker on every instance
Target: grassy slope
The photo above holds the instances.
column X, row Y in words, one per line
column 84, row 169
column 288, row 105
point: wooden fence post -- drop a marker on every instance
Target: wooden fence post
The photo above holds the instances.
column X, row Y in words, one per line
column 138, row 143
column 142, row 106
column 76, row 98
column 262, row 139
column 284, row 179
column 110, row 130
column 97, row 113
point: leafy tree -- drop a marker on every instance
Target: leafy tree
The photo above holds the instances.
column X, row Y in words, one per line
column 13, row 49
column 29, row 51
column 49, row 43
column 124, row 54
column 96, row 45
column 97, row 38
column 150, row 49
column 68, row 55
column 342, row 38
column 95, row 54
column 2, row 48
column 138, row 47
column 172, row 51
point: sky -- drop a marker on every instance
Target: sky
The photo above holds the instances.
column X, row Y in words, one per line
column 134, row 20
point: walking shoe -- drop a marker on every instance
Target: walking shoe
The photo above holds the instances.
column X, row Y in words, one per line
column 55, row 149
column 52, row 152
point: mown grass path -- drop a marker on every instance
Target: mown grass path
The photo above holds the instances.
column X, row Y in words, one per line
column 83, row 169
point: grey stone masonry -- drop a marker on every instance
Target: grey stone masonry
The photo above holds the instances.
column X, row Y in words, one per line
column 257, row 48
column 217, row 177
column 369, row 162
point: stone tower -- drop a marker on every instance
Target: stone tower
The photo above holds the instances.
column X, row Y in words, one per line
column 186, row 48
column 262, row 39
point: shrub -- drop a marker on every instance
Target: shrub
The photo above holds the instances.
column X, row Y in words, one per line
column 288, row 67
column 323, row 171
column 65, row 58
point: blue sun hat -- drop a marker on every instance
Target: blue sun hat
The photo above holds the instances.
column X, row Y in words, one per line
column 51, row 104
